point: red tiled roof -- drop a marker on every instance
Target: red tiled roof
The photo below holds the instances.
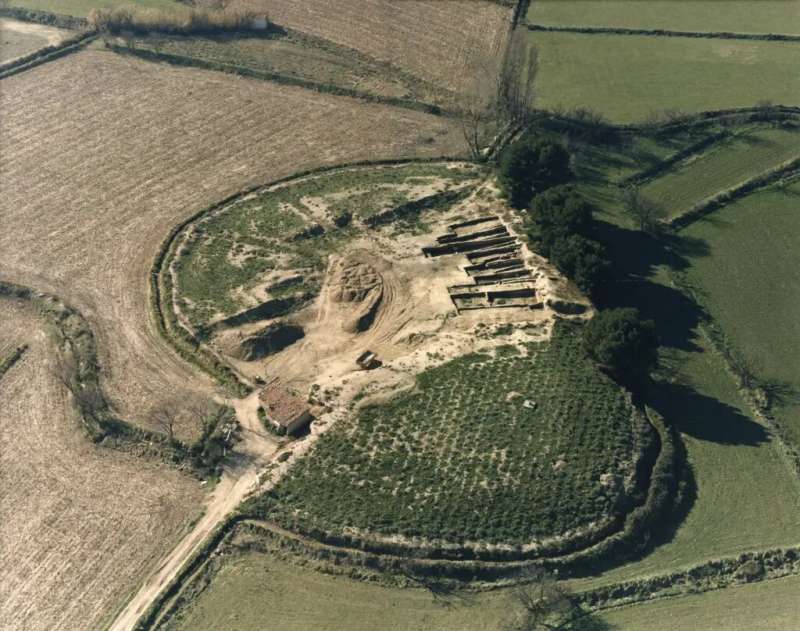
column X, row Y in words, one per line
column 282, row 407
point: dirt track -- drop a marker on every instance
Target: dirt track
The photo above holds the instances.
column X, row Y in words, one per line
column 79, row 524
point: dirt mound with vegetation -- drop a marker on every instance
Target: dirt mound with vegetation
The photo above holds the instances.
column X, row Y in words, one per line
column 357, row 281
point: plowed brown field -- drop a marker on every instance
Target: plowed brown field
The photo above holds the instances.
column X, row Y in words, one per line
column 80, row 525
column 103, row 154
column 431, row 39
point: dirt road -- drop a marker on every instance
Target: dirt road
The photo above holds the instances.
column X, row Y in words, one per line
column 252, row 454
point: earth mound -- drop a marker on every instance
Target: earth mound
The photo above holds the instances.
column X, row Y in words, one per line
column 354, row 280
column 262, row 342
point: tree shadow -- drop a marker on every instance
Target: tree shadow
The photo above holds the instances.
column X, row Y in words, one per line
column 704, row 417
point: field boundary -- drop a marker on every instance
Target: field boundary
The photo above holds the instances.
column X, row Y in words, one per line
column 7, row 363
column 48, row 53
column 747, row 567
column 613, row 30
column 48, row 18
column 274, row 77
column 786, row 169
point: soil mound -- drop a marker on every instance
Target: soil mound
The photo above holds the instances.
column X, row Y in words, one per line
column 357, row 281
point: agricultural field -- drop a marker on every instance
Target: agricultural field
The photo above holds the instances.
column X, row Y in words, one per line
column 763, row 606
column 80, row 524
column 84, row 224
column 527, row 444
column 297, row 57
column 745, row 155
column 738, row 16
column 456, row 34
column 81, row 8
column 748, row 280
column 18, row 39
column 661, row 73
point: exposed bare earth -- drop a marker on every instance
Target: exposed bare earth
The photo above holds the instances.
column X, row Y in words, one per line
column 432, row 40
column 80, row 525
column 103, row 154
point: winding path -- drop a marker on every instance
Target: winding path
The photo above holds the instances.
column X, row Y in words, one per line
column 240, row 477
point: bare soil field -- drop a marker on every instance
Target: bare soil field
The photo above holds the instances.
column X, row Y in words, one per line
column 104, row 154
column 21, row 38
column 432, row 40
column 80, row 525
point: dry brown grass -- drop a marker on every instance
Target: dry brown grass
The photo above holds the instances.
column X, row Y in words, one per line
column 80, row 525
column 435, row 40
column 103, row 154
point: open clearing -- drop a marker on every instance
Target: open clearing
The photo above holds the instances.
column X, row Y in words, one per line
column 79, row 524
column 763, row 606
column 746, row 155
column 662, row 73
column 108, row 153
column 738, row 16
column 750, row 284
column 21, row 38
column 431, row 40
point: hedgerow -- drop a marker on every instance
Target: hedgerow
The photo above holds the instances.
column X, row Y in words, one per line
column 523, row 445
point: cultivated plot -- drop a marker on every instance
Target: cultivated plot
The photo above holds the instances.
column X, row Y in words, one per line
column 435, row 41
column 108, row 153
column 18, row 39
column 80, row 524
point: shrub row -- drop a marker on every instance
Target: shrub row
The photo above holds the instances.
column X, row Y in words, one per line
column 44, row 17
column 611, row 30
column 48, row 53
column 324, row 88
column 665, row 165
column 787, row 169
column 7, row 362
column 190, row 21
column 746, row 568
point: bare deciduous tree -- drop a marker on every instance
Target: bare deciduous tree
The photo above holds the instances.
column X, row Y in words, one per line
column 167, row 415
column 544, row 604
column 646, row 213
column 496, row 95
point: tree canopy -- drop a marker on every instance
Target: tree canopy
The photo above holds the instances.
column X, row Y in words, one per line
column 622, row 343
column 529, row 167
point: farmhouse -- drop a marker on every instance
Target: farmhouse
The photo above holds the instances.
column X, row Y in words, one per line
column 287, row 412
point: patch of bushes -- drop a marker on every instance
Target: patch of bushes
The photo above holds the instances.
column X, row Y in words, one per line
column 178, row 22
column 561, row 223
column 622, row 343
column 12, row 358
column 220, row 431
column 529, row 166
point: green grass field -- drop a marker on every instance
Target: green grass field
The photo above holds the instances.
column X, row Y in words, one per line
column 768, row 606
column 726, row 164
column 742, row 16
column 627, row 78
column 235, row 249
column 502, row 449
column 751, row 286
column 259, row 591
column 81, row 8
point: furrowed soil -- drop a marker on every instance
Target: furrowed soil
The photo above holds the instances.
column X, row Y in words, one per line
column 103, row 154
column 21, row 38
column 79, row 524
column 432, row 40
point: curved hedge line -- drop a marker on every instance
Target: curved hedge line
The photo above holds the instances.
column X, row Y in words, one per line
column 48, row 53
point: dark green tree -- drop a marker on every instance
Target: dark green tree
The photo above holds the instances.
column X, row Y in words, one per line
column 622, row 343
column 582, row 260
column 558, row 213
column 529, row 167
